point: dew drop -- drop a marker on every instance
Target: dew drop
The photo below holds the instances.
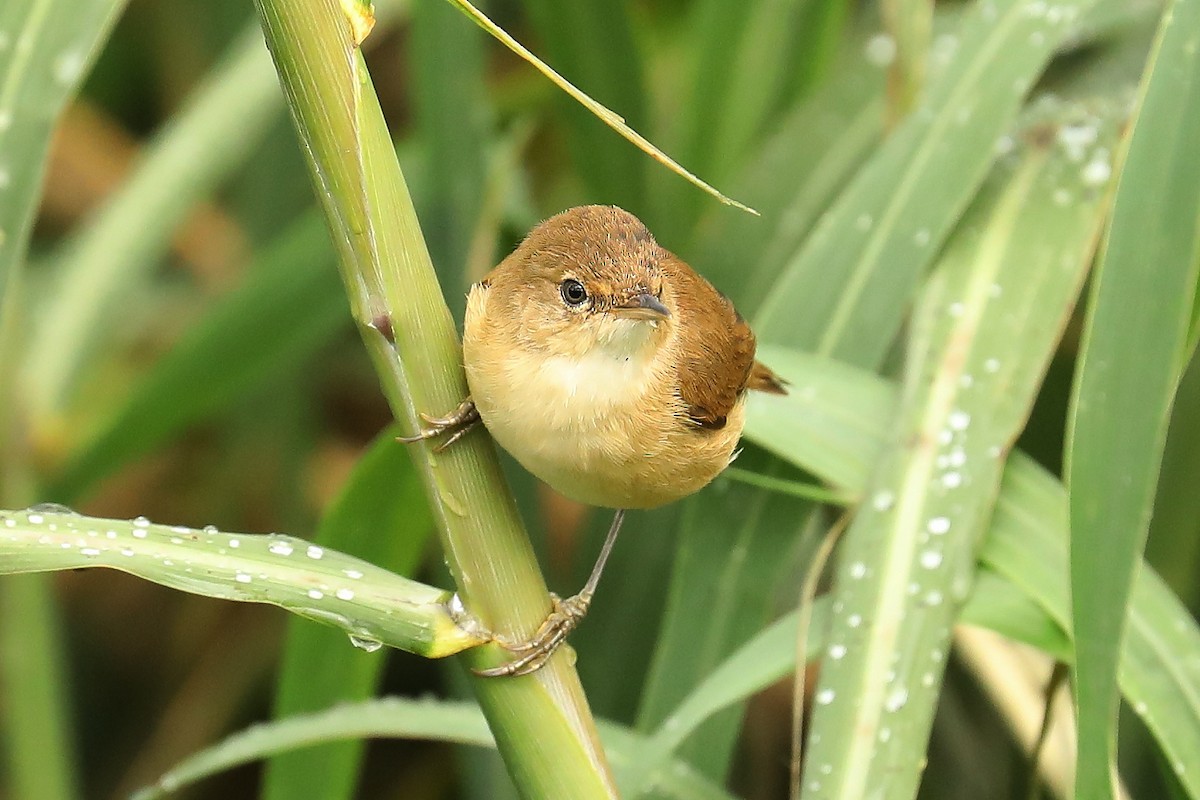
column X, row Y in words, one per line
column 89, row 551
column 927, row 680
column 885, row 734
column 125, row 551
column 1097, row 172
column 931, row 559
column 837, row 651
column 352, row 573
column 344, row 594
column 141, row 522
column 211, row 529
column 280, row 548
column 992, row 365
column 35, row 519
column 825, row 697
column 139, row 533
column 314, row 552
column 896, row 700
column 315, row 594
column 952, row 480
column 858, row 570
column 242, row 577
column 234, row 543
column 883, row 500
column 854, row 620
column 365, row 643
column 934, row 598
column 956, row 309
column 958, row 420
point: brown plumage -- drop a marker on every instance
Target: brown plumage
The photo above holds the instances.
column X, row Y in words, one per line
column 606, row 365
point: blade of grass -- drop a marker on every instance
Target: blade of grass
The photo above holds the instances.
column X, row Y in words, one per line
column 249, row 336
column 48, row 49
column 593, row 42
column 909, row 22
column 452, row 721
column 540, row 721
column 609, row 118
column 1026, row 544
column 452, row 118
column 989, row 323
column 41, row 759
column 317, row 670
column 733, row 541
column 365, row 601
column 1133, row 354
column 854, row 273
column 187, row 159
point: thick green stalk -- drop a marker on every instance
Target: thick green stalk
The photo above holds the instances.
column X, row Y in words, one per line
column 541, row 722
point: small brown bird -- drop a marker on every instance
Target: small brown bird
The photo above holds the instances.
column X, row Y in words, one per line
column 609, row 369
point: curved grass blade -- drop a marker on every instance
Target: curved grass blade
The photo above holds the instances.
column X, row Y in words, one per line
column 1135, row 348
column 367, row 602
column 443, row 720
column 609, row 118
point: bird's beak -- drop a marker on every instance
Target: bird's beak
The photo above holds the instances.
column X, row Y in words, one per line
column 642, row 306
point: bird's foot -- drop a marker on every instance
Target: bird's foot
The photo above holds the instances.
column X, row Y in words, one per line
column 533, row 653
column 455, row 425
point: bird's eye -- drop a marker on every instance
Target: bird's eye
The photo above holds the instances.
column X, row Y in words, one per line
column 573, row 293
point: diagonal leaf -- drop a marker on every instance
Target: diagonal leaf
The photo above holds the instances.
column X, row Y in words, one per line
column 1134, row 351
column 183, row 163
column 987, row 327
column 859, row 266
column 249, row 336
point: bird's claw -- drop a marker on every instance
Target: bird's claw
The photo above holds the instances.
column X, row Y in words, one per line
column 455, row 425
column 533, row 653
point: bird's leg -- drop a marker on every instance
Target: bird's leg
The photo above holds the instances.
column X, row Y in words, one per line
column 457, row 424
column 564, row 617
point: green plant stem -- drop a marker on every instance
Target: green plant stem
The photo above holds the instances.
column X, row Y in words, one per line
column 541, row 722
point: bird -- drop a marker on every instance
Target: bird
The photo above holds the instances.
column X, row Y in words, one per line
column 608, row 368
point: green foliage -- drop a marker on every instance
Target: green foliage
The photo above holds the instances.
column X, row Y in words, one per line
column 938, row 184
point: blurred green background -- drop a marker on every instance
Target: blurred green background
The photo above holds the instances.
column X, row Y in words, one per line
column 182, row 347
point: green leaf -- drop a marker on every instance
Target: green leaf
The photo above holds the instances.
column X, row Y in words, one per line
column 733, row 541
column 845, row 292
column 592, row 43
column 443, row 720
column 988, row 323
column 287, row 307
column 452, row 120
column 48, row 48
column 187, row 159
column 1135, row 345
column 365, row 601
column 380, row 516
